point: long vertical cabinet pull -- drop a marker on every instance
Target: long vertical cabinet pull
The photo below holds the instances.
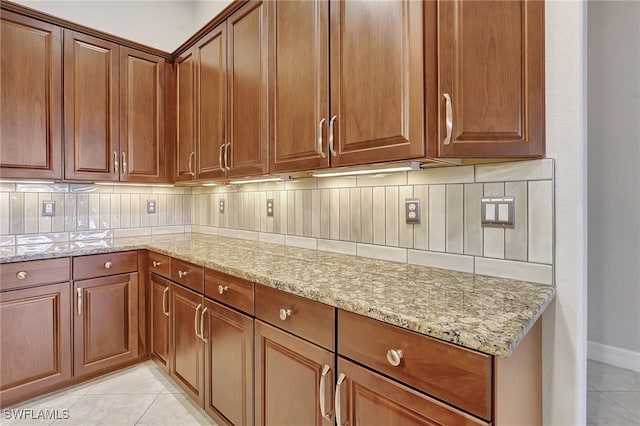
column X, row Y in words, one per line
column 202, row 325
column 79, row 300
column 338, row 405
column 320, row 148
column 226, row 156
column 333, row 152
column 191, row 157
column 222, row 166
column 124, row 163
column 448, row 118
column 323, row 391
column 195, row 320
column 116, row 165
column 164, row 302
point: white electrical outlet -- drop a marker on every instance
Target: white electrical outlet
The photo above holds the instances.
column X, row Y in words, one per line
column 151, row 206
column 221, row 206
column 270, row 207
column 412, row 211
column 48, row 208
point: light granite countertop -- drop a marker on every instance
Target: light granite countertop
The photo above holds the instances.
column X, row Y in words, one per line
column 491, row 315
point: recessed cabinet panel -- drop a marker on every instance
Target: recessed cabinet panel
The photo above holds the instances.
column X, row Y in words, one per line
column 491, row 78
column 31, row 98
column 185, row 126
column 91, row 113
column 160, row 319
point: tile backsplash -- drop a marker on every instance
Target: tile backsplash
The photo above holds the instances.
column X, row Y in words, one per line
column 358, row 215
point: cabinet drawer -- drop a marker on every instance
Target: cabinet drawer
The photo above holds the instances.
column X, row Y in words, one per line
column 101, row 265
column 34, row 272
column 233, row 291
column 457, row 375
column 313, row 321
column 187, row 274
column 160, row 264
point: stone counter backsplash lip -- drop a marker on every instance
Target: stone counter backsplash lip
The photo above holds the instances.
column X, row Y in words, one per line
column 490, row 315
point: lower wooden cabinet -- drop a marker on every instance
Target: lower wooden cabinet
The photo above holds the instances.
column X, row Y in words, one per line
column 228, row 337
column 368, row 398
column 187, row 354
column 159, row 298
column 293, row 383
column 105, row 324
column 35, row 340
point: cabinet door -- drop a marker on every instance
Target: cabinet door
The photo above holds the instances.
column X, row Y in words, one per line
column 229, row 365
column 289, row 379
column 367, row 398
column 211, row 104
column 142, row 144
column 35, row 340
column 299, row 84
column 187, row 355
column 377, row 81
column 91, row 108
column 185, row 114
column 160, row 319
column 494, row 78
column 31, row 98
column 105, row 325
column 247, row 79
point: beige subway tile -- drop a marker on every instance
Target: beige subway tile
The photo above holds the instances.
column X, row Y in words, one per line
column 284, row 212
column 291, row 213
column 315, row 213
column 345, row 215
column 531, row 272
column 307, row 205
column 355, row 214
column 5, row 208
column 170, row 210
column 493, row 237
column 228, row 232
column 379, row 212
column 125, row 210
column 161, row 208
column 145, row 219
column 342, row 247
column 178, row 209
column 432, row 259
column 270, row 221
column 382, row 179
column 270, row 238
column 70, row 211
column 132, row 232
column 421, row 231
column 302, row 242
column 334, row 213
column 135, row 210
column 187, row 209
column 298, row 213
column 105, row 211
column 515, row 171
column 473, row 232
column 163, row 230
column 44, row 222
column 393, row 254
column 297, row 184
column 437, row 217
column 405, row 231
column 515, row 239
column 366, row 215
column 115, row 211
column 261, row 210
column 83, row 217
column 541, row 222
column 277, row 213
column 248, row 235
column 31, row 213
column 391, row 216
column 58, row 221
column 441, row 175
column 337, row 182
column 7, row 187
column 455, row 219
column 16, row 200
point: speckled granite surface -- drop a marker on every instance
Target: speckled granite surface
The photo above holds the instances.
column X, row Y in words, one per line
column 491, row 315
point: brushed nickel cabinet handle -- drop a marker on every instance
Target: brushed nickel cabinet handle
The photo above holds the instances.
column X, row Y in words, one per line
column 21, row 275
column 333, row 152
column 107, row 264
column 284, row 314
column 116, row 165
column 124, row 163
column 222, row 167
column 182, row 274
column 155, row 263
column 394, row 357
column 195, row 320
column 322, row 391
column 222, row 289
column 320, row 148
column 226, row 156
column 191, row 157
column 202, row 325
column 164, row 302
column 448, row 118
column 79, row 301
column 337, row 402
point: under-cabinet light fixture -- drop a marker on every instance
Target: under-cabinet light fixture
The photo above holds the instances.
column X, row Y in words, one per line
column 272, row 179
column 210, row 184
column 157, row 185
column 414, row 165
column 41, row 182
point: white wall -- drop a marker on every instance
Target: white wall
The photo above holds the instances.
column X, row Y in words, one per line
column 614, row 177
column 164, row 25
column 565, row 321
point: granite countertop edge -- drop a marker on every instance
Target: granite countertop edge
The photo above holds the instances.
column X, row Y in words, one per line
column 501, row 344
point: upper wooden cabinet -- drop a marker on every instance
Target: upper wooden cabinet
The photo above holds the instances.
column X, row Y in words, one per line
column 31, row 98
column 491, row 79
column 114, row 111
column 185, row 116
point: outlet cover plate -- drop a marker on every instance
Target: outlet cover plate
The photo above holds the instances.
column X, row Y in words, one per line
column 48, row 208
column 151, row 206
column 412, row 211
column 498, row 212
column 270, row 207
column 221, row 206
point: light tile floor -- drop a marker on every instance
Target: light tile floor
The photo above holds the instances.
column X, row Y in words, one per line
column 613, row 395
column 138, row 395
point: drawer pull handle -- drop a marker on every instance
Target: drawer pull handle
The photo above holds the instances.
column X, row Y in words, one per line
column 202, row 325
column 323, row 378
column 195, row 320
column 394, row 357
column 164, row 301
column 182, row 274
column 222, row 289
column 21, row 275
column 107, row 264
column 337, row 402
column 79, row 301
column 284, row 314
column 155, row 263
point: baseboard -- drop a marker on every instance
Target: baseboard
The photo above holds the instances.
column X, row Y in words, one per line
column 613, row 355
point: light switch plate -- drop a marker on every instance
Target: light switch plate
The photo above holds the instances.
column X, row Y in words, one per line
column 270, row 207
column 48, row 208
column 221, row 206
column 498, row 212
column 151, row 206
column 412, row 211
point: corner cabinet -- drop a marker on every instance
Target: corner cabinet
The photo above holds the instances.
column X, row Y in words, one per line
column 31, row 98
column 491, row 79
